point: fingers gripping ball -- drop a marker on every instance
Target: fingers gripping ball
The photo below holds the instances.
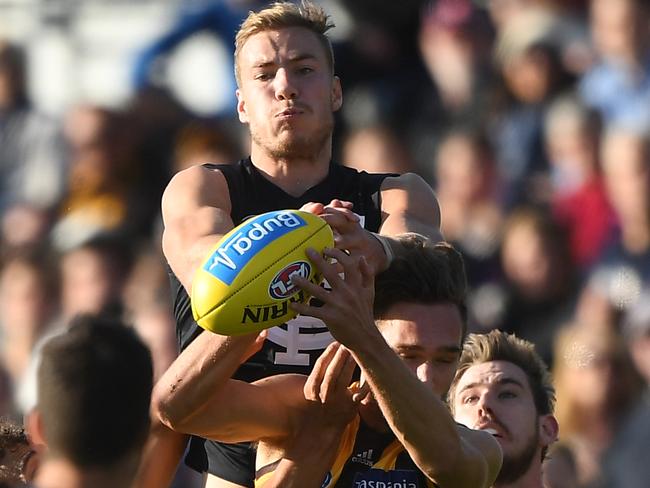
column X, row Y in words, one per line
column 245, row 285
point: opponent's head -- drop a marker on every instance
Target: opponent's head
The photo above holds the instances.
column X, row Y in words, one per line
column 420, row 308
column 285, row 73
column 94, row 387
column 503, row 386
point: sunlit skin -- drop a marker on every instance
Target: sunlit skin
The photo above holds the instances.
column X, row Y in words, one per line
column 496, row 396
column 427, row 338
column 287, row 96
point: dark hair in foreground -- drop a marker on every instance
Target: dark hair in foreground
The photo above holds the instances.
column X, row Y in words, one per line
column 422, row 272
column 94, row 389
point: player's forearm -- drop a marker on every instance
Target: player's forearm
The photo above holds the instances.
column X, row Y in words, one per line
column 309, row 458
column 419, row 419
column 160, row 457
column 198, row 374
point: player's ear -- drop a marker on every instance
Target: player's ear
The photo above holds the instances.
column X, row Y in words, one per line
column 34, row 427
column 548, row 429
column 337, row 94
column 241, row 107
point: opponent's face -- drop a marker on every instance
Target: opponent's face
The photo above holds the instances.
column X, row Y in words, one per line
column 287, row 92
column 496, row 396
column 427, row 338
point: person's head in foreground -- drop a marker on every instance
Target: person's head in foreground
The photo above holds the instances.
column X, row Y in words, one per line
column 503, row 386
column 420, row 308
column 94, row 388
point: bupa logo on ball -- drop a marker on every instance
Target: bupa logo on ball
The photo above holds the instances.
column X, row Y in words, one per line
column 235, row 252
column 282, row 286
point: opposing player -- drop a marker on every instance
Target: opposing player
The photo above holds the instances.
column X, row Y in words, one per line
column 503, row 386
column 287, row 94
column 402, row 433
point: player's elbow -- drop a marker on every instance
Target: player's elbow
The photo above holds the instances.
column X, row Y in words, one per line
column 164, row 409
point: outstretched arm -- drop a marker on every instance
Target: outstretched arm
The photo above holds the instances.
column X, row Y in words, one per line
column 447, row 454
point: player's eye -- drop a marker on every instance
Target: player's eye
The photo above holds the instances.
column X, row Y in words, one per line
column 507, row 394
column 470, row 400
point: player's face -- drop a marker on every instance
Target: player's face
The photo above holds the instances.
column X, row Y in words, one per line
column 287, row 92
column 427, row 338
column 496, row 396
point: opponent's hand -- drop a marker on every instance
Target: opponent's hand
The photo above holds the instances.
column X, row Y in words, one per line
column 327, row 389
column 347, row 308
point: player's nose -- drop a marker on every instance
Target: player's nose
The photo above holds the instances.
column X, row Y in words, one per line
column 285, row 88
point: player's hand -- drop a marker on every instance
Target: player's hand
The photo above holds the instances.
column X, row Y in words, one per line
column 351, row 236
column 348, row 307
column 332, row 402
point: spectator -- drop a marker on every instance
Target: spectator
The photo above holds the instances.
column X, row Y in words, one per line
column 32, row 152
column 624, row 267
column 625, row 464
column 618, row 85
column 94, row 389
column 28, row 306
column 466, row 186
column 577, row 191
column 539, row 278
column 596, row 387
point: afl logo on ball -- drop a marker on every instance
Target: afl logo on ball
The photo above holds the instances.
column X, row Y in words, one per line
column 281, row 287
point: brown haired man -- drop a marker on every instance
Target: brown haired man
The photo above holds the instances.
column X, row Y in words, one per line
column 401, row 433
column 287, row 95
column 502, row 386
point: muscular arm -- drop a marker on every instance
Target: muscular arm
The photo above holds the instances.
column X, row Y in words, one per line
column 408, row 204
column 196, row 214
column 217, row 407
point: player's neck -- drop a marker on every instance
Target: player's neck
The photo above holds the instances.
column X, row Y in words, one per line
column 294, row 175
column 59, row 473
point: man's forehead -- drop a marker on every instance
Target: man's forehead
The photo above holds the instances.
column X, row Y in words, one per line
column 291, row 42
column 492, row 373
column 428, row 325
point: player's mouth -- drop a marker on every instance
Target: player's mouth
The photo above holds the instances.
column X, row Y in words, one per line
column 289, row 113
column 491, row 429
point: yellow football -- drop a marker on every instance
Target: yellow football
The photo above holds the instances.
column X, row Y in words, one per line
column 244, row 285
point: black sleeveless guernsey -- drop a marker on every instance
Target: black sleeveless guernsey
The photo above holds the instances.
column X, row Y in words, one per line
column 291, row 348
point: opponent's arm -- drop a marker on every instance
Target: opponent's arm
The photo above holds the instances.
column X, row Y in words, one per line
column 331, row 405
column 419, row 419
column 215, row 406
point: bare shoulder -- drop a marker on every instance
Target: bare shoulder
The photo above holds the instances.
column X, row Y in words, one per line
column 409, row 204
column 193, row 188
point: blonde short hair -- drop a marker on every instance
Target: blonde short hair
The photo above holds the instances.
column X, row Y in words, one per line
column 281, row 15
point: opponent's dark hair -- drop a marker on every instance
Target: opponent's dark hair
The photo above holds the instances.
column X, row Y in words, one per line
column 94, row 390
column 422, row 272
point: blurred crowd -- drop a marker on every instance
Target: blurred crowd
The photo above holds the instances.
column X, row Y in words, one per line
column 530, row 119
